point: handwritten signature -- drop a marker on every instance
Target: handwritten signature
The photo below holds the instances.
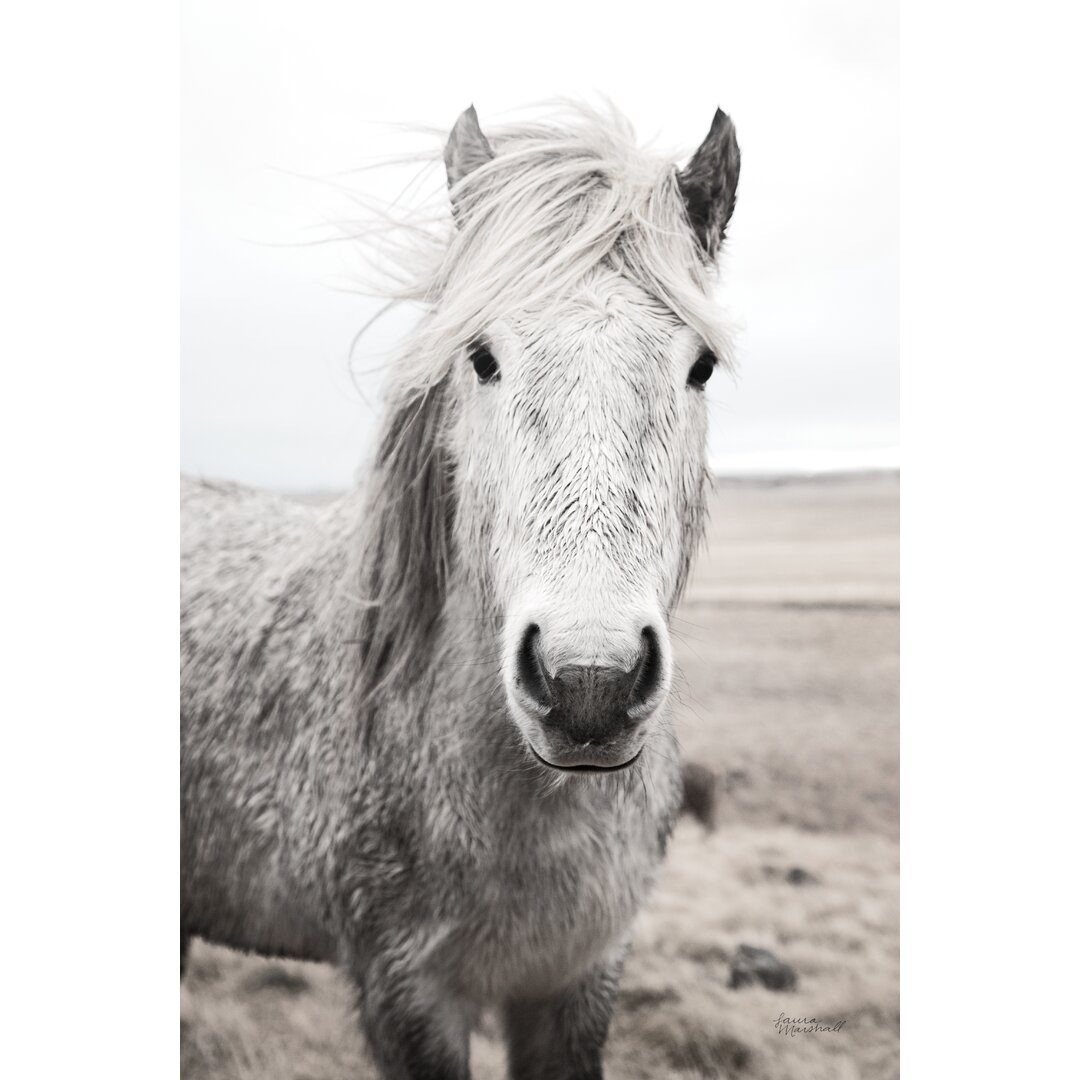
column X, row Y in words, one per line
column 803, row 1025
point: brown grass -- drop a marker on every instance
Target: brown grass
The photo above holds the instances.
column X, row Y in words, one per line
column 788, row 643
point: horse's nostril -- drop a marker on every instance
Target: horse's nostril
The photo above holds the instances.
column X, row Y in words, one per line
column 649, row 671
column 532, row 676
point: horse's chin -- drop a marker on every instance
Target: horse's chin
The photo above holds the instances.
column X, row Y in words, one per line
column 583, row 762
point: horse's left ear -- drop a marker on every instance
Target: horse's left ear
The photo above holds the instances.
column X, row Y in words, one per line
column 466, row 149
column 708, row 183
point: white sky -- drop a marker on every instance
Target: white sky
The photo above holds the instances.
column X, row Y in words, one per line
column 273, row 92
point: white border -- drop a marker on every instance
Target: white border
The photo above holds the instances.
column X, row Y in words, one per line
column 989, row 539
column 90, row 336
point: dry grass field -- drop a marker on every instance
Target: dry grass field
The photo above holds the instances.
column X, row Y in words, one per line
column 788, row 645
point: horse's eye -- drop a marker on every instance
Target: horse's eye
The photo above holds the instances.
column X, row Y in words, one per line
column 702, row 369
column 484, row 364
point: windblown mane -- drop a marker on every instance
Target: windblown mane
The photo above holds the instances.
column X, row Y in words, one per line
column 561, row 196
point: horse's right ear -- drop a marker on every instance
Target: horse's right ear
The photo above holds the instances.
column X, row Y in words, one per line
column 466, row 149
column 708, row 184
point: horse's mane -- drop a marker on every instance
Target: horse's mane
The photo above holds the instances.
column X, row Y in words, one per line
column 563, row 195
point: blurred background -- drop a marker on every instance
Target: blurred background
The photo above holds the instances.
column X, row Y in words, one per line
column 780, row 895
column 284, row 103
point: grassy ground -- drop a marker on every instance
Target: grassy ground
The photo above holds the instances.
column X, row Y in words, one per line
column 788, row 645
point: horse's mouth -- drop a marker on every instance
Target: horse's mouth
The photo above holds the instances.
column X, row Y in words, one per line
column 586, row 768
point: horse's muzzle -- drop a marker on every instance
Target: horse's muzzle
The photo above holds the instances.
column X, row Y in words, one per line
column 590, row 716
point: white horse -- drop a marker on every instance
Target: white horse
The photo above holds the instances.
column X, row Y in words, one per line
column 425, row 732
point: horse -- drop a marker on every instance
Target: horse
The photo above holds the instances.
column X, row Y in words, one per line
column 426, row 731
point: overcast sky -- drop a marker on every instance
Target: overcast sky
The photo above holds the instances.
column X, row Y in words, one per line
column 277, row 93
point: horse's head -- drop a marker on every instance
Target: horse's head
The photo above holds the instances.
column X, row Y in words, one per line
column 573, row 419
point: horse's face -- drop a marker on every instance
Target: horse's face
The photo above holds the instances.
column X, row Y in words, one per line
column 579, row 447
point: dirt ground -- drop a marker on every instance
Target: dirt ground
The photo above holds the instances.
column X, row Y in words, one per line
column 788, row 651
